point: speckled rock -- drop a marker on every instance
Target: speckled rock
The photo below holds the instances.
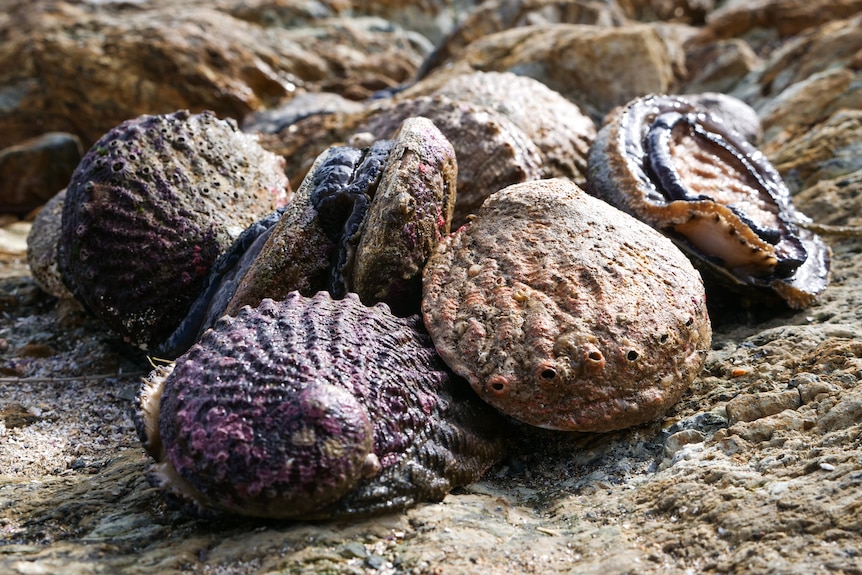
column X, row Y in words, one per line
column 150, row 208
column 313, row 408
column 564, row 312
column 34, row 170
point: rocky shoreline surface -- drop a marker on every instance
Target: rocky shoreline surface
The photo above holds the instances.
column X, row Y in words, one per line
column 757, row 469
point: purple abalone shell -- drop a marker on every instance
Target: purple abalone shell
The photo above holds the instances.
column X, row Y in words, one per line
column 313, row 408
column 149, row 209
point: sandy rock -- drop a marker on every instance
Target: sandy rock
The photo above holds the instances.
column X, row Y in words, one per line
column 783, row 17
column 498, row 15
column 719, row 66
column 806, row 80
column 830, row 150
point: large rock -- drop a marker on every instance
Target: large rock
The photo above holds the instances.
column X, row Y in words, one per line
column 84, row 70
column 34, row 170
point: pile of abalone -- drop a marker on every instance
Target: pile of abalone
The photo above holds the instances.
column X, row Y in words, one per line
column 373, row 285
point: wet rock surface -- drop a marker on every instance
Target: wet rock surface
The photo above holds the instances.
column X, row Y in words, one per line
column 757, row 469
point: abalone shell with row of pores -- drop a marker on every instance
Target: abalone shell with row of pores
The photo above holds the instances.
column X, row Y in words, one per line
column 313, row 408
column 684, row 171
column 150, row 208
column 363, row 221
column 565, row 312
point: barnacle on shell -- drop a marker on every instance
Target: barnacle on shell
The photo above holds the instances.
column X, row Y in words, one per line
column 150, row 208
column 683, row 170
column 313, row 408
column 565, row 312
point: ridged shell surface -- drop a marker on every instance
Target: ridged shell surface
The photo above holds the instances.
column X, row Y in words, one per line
column 314, row 407
column 149, row 209
column 565, row 312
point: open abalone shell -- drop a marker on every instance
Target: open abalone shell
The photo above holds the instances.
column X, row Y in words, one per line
column 682, row 169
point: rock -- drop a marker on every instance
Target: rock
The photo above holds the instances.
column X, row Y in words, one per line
column 718, row 66
column 32, row 171
column 808, row 79
column 498, row 15
column 831, row 150
column 784, row 17
column 84, row 70
column 595, row 67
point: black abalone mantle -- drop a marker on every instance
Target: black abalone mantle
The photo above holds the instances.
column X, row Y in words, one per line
column 683, row 170
column 342, row 190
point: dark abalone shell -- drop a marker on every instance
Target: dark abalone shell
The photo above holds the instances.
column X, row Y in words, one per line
column 314, row 408
column 683, row 170
column 151, row 207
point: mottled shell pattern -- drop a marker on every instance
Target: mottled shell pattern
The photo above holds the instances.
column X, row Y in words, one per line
column 492, row 151
column 363, row 221
column 151, row 207
column 683, row 170
column 564, row 312
column 313, row 408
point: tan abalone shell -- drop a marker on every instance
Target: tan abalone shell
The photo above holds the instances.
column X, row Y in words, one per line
column 565, row 312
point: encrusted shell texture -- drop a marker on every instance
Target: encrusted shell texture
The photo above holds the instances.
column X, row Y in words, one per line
column 363, row 221
column 492, row 151
column 683, row 170
column 149, row 209
column 314, row 408
column 561, row 131
column 565, row 312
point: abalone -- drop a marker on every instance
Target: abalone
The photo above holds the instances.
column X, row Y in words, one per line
column 364, row 221
column 683, row 170
column 313, row 408
column 565, row 312
column 151, row 207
